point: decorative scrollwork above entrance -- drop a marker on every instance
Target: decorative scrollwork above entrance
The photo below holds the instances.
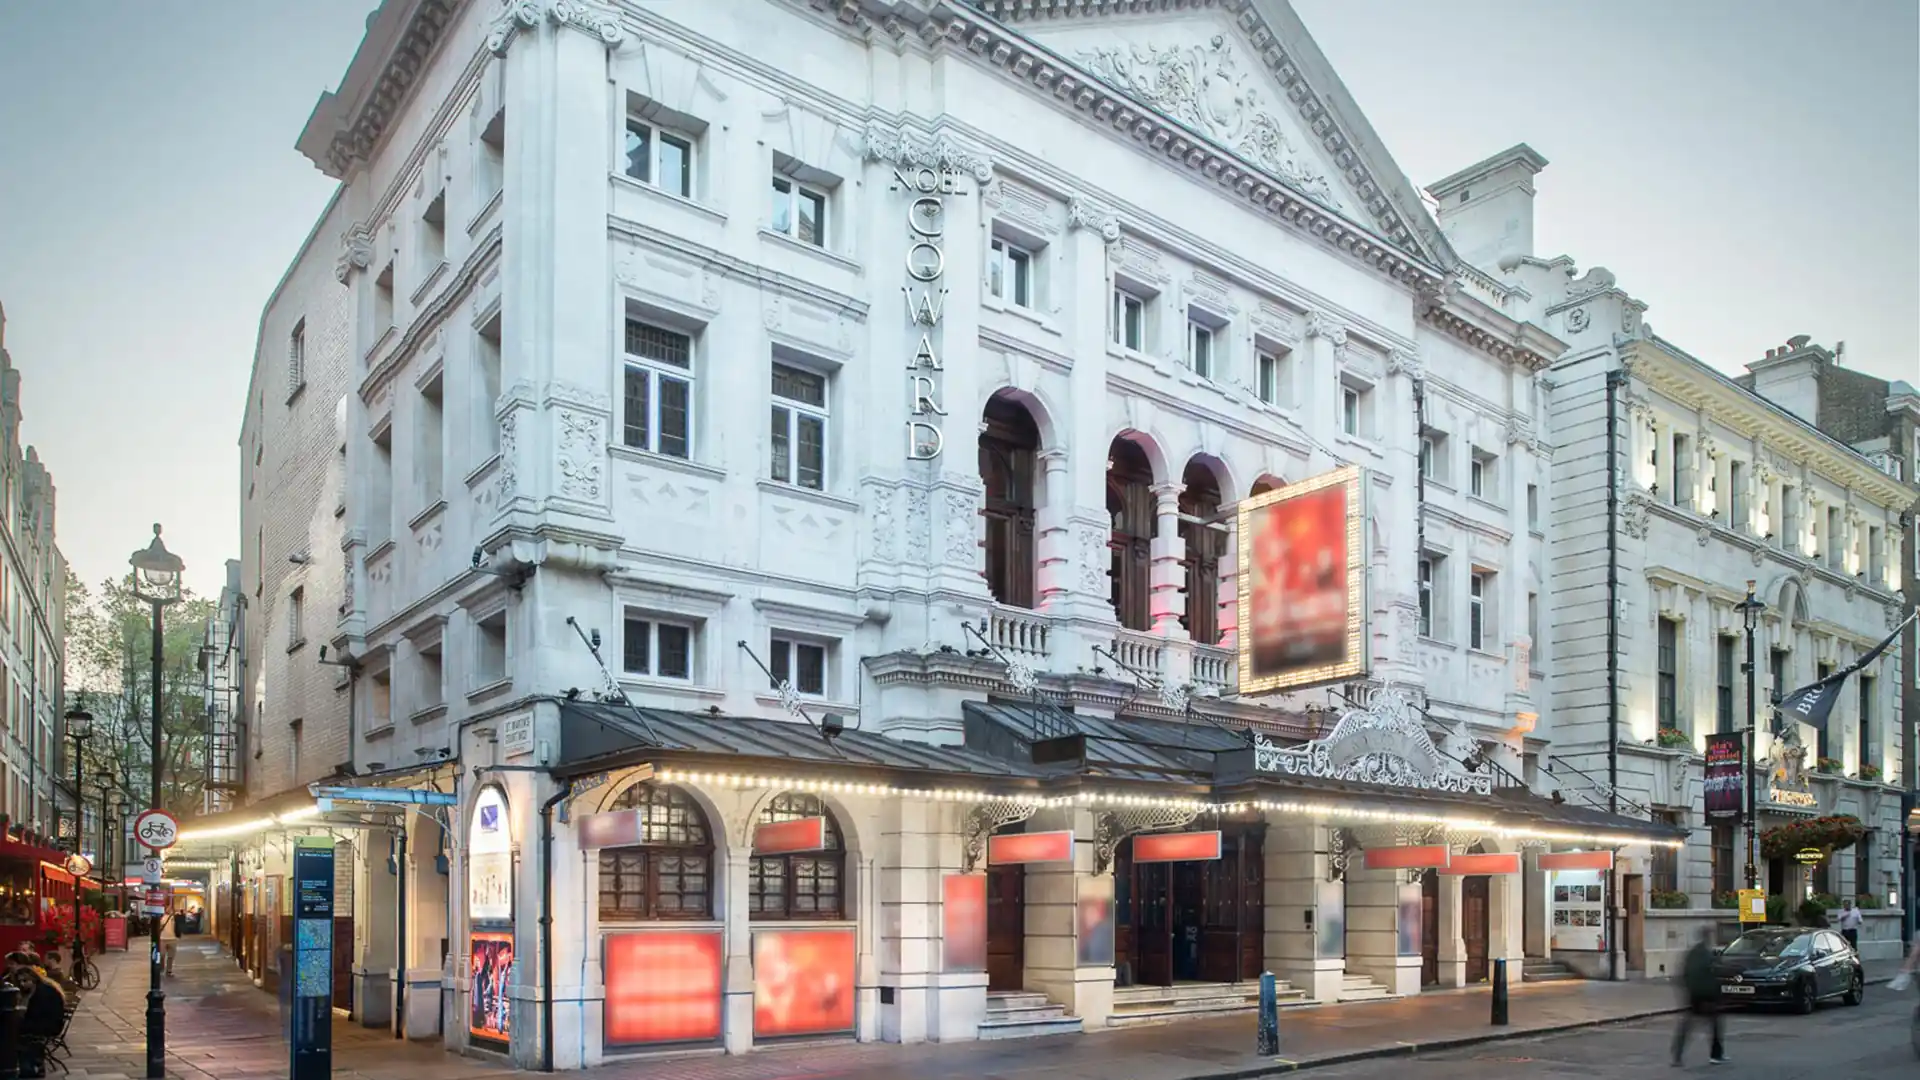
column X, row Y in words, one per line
column 1113, row 826
column 1342, row 844
column 982, row 821
column 1383, row 742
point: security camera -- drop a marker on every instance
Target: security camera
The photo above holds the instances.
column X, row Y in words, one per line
column 323, row 654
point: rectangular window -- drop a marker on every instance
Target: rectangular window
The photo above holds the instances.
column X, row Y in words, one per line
column 1533, row 506
column 486, row 389
column 297, row 357
column 490, row 649
column 1200, row 349
column 1790, row 538
column 799, row 211
column 1723, row 676
column 490, row 174
column 1868, row 751
column 1426, row 598
column 1480, row 475
column 380, row 702
column 1664, row 872
column 1830, row 546
column 1667, row 666
column 1429, row 454
column 1533, row 626
column 383, row 300
column 660, row 157
column 804, row 663
column 1269, row 378
column 1723, row 860
column 430, row 455
column 1129, row 320
column 1876, row 557
column 1350, row 410
column 1010, row 273
column 433, row 235
column 663, row 650
column 1777, row 670
column 1682, row 494
column 657, row 401
column 1863, row 885
column 1737, row 494
column 799, row 427
column 380, row 489
column 296, row 617
column 1477, row 597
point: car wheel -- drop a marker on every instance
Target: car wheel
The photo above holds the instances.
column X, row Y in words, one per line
column 1856, row 990
column 1805, row 999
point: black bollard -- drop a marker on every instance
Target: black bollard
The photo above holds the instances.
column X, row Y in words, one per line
column 9, row 1031
column 1500, row 992
column 1267, row 1041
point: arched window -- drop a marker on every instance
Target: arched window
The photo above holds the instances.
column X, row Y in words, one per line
column 669, row 873
column 1008, row 445
column 1203, row 544
column 804, row 885
column 1134, row 512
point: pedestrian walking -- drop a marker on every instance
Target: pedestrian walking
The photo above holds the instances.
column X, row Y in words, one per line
column 1850, row 920
column 1702, row 987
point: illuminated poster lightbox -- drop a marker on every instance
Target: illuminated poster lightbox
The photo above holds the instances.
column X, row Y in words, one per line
column 1303, row 586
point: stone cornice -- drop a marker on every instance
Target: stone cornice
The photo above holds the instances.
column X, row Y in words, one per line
column 739, row 269
column 1478, row 325
column 588, row 16
column 348, row 124
column 1691, row 383
column 1014, row 55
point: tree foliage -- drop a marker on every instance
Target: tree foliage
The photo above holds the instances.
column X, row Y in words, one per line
column 109, row 673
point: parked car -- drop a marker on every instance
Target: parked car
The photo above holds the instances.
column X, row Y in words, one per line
column 1800, row 967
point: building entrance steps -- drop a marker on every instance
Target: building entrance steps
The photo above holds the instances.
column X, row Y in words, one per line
column 1540, row 969
column 1363, row 988
column 1136, row 1006
column 1020, row 1014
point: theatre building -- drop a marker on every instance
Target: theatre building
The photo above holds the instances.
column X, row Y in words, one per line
column 919, row 522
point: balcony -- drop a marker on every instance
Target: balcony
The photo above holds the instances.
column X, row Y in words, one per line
column 1019, row 632
column 1215, row 668
column 1141, row 651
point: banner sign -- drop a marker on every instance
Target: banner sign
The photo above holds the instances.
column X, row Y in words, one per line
column 1423, row 857
column 1475, row 865
column 1034, row 847
column 1577, row 860
column 788, row 837
column 963, row 922
column 1725, row 786
column 310, row 1038
column 802, row 982
column 1302, row 599
column 662, row 987
column 1176, row 847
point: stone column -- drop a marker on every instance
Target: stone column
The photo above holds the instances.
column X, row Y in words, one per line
column 1085, row 602
column 1228, row 588
column 1053, row 925
column 920, row 845
column 1373, row 926
column 1168, row 601
column 1053, row 578
column 1305, row 915
column 1453, row 943
column 1506, row 923
column 736, row 1016
column 374, row 903
column 427, row 911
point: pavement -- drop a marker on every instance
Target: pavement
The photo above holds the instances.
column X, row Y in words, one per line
column 220, row 1027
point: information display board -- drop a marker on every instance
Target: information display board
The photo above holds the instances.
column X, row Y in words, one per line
column 310, row 1040
column 1579, row 910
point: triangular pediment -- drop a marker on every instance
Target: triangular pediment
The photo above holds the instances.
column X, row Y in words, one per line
column 1246, row 76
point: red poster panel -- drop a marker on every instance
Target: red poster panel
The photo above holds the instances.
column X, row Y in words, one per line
column 1497, row 863
column 1577, row 860
column 488, row 1004
column 616, row 828
column 1427, row 857
column 117, row 932
column 802, row 982
column 1176, row 846
column 787, row 837
column 663, row 988
column 1032, row 847
column 963, row 918
column 1302, row 618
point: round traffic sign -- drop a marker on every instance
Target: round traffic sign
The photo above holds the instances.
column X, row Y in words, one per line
column 156, row 829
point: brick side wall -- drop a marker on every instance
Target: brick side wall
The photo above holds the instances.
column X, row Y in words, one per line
column 291, row 478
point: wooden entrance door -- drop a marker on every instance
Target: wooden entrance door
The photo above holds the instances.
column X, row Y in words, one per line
column 1006, row 927
column 1430, row 929
column 1153, row 923
column 1475, row 924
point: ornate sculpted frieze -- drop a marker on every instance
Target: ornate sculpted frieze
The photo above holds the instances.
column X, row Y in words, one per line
column 1086, row 214
column 906, row 148
column 588, row 16
column 1403, row 362
column 356, row 252
column 1383, row 742
column 583, row 455
column 1093, row 561
column 1203, row 87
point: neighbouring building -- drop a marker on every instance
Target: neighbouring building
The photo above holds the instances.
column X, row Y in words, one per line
column 792, row 535
column 1673, row 488
column 35, row 783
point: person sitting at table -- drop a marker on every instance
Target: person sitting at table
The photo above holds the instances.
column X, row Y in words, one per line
column 41, row 1021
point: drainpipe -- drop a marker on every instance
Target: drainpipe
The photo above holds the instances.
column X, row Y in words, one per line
column 1419, row 479
column 1615, row 379
column 546, row 924
column 400, row 932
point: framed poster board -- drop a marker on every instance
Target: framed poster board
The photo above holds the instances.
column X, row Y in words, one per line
column 1579, row 910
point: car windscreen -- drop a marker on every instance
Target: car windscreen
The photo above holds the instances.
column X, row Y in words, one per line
column 1770, row 946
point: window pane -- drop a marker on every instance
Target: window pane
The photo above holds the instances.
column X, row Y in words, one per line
column 813, row 218
column 676, row 652
column 1021, row 263
column 676, row 416
column 1135, row 312
column 638, row 403
column 676, row 165
column 639, row 152
column 812, row 675
column 636, row 646
column 659, row 344
column 997, row 270
column 767, row 887
column 799, row 385
column 782, row 221
column 779, row 661
column 782, row 449
column 811, row 464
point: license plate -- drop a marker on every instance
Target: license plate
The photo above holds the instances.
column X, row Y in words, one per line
column 1731, row 989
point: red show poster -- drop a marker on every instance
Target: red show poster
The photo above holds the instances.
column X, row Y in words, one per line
column 1300, row 601
column 802, row 982
column 488, row 1002
column 963, row 919
column 663, row 987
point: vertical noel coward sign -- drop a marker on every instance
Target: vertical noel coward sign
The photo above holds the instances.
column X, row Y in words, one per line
column 1725, row 786
column 926, row 301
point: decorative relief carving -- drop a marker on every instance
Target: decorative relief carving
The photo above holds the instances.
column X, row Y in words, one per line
column 671, row 498
column 1019, row 203
column 1321, row 324
column 582, row 455
column 1402, row 362
column 1086, row 214
column 1112, row 827
column 1203, row 87
column 1274, row 320
column 1204, row 286
column 356, row 252
column 1633, row 514
column 1383, row 742
column 962, row 511
column 1597, row 280
column 883, row 524
column 819, row 528
column 906, row 148
column 508, row 478
column 346, row 582
column 600, row 20
column 1579, row 319
column 981, row 822
column 919, row 527
column 1094, row 561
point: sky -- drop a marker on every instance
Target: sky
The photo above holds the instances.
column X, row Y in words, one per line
column 1749, row 168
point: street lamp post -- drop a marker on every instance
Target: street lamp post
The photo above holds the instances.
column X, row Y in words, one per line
column 156, row 580
column 1750, row 610
column 118, row 845
column 79, row 729
column 101, row 860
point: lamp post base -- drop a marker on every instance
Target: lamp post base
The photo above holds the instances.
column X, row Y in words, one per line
column 156, row 1032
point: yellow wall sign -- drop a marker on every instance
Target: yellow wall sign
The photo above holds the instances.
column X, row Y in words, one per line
column 1753, row 905
column 1810, row 856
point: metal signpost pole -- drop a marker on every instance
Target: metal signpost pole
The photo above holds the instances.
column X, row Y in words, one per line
column 156, row 997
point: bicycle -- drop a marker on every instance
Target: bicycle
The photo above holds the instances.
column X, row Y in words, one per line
column 85, row 975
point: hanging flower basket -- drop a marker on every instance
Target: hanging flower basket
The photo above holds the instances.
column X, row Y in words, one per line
column 1836, row 832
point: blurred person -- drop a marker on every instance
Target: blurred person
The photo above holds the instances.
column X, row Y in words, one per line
column 1702, row 988
column 1850, row 920
column 41, row 1020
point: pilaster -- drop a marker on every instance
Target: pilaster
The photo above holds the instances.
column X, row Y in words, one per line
column 1168, row 600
